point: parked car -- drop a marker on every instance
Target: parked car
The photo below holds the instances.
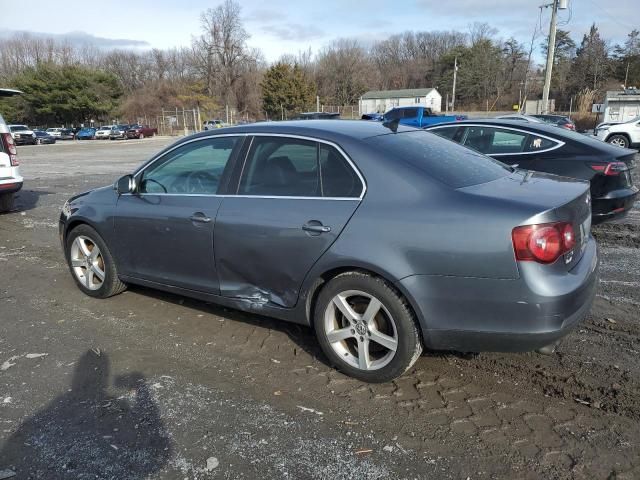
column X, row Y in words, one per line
column 317, row 116
column 626, row 134
column 22, row 135
column 66, row 134
column 43, row 138
column 10, row 178
column 103, row 132
column 419, row 116
column 87, row 133
column 518, row 117
column 118, row 132
column 378, row 117
column 212, row 124
column 54, row 132
column 545, row 148
column 383, row 242
column 557, row 120
column 141, row 131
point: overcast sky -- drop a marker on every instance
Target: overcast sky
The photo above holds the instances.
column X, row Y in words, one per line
column 289, row 26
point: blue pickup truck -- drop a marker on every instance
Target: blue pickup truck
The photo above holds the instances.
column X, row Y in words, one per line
column 419, row 116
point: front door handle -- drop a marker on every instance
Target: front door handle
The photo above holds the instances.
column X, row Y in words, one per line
column 200, row 218
column 316, row 228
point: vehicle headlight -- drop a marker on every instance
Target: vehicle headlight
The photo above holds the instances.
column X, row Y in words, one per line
column 66, row 209
column 603, row 128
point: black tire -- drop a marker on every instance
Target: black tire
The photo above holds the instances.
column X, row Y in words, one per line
column 6, row 202
column 619, row 140
column 409, row 341
column 111, row 284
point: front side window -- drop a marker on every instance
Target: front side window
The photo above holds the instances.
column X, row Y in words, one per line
column 193, row 168
column 446, row 132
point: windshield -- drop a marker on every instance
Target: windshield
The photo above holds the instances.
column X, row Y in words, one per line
column 18, row 128
column 442, row 159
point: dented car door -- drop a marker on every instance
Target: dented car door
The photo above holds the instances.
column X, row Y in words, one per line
column 293, row 198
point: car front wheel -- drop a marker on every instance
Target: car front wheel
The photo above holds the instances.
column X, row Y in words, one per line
column 366, row 329
column 91, row 263
column 618, row 141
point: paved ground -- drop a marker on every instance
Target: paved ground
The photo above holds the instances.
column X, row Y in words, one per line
column 151, row 385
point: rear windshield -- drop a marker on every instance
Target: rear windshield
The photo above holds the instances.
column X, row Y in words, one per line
column 442, row 159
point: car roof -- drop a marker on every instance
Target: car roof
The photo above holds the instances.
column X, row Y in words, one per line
column 323, row 129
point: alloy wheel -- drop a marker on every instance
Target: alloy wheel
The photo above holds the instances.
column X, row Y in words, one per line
column 619, row 142
column 87, row 263
column 360, row 330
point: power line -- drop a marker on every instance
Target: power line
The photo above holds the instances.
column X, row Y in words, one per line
column 610, row 16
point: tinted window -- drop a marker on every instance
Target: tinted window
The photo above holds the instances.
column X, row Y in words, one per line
column 283, row 167
column 393, row 115
column 194, row 168
column 338, row 177
column 410, row 112
column 441, row 159
column 535, row 143
column 491, row 140
column 446, row 132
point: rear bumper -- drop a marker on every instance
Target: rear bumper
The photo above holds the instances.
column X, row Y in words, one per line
column 11, row 186
column 482, row 314
column 615, row 204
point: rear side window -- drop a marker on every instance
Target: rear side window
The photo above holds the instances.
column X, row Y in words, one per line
column 442, row 159
column 281, row 167
column 338, row 177
column 491, row 140
column 290, row 167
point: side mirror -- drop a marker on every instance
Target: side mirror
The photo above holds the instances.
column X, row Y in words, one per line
column 125, row 184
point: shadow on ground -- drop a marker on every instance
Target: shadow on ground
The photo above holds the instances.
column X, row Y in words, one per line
column 89, row 433
column 25, row 200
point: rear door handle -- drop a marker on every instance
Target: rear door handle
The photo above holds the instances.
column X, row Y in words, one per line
column 200, row 218
column 307, row 227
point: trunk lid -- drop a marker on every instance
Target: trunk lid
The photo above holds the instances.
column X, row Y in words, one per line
column 544, row 198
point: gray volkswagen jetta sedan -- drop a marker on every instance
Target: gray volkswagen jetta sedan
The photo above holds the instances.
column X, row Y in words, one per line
column 383, row 238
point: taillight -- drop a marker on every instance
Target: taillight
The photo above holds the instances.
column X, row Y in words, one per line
column 610, row 169
column 543, row 243
column 569, row 126
column 10, row 146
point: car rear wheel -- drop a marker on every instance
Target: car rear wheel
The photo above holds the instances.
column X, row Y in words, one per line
column 91, row 263
column 366, row 329
column 6, row 202
column 618, row 141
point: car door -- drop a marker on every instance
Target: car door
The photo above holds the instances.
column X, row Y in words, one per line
column 165, row 228
column 294, row 197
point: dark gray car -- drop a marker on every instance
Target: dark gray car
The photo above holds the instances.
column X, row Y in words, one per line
column 382, row 239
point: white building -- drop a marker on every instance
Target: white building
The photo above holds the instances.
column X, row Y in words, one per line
column 621, row 106
column 384, row 100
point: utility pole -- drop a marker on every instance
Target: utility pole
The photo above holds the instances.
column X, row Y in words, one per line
column 455, row 77
column 551, row 50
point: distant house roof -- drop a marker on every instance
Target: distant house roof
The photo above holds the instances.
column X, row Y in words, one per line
column 406, row 93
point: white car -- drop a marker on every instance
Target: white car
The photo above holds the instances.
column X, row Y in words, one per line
column 103, row 132
column 624, row 135
column 54, row 132
column 22, row 134
column 10, row 179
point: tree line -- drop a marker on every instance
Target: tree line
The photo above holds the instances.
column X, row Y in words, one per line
column 67, row 84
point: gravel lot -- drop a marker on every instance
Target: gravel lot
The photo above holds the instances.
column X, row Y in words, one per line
column 152, row 385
